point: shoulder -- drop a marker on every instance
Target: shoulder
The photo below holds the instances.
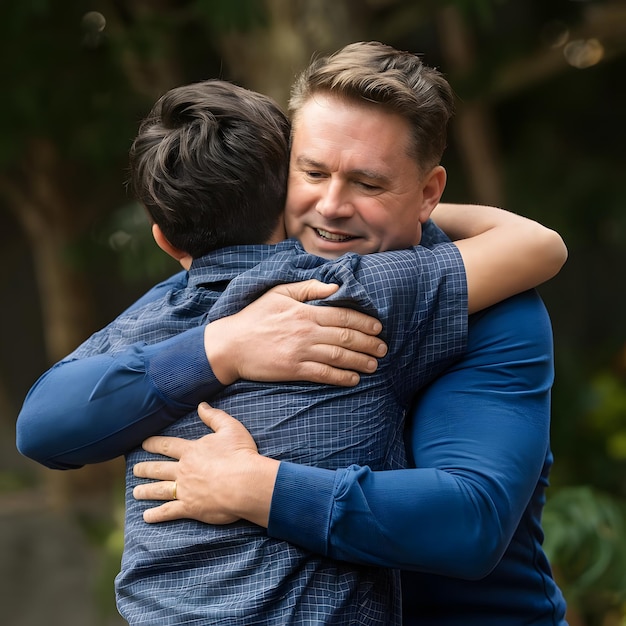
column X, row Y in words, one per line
column 521, row 314
column 515, row 331
column 177, row 281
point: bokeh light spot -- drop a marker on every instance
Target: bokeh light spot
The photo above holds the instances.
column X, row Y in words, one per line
column 583, row 53
column 93, row 24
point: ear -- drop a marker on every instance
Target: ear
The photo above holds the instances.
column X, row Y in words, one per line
column 434, row 184
column 179, row 255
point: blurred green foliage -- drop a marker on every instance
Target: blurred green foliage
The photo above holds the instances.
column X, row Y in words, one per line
column 586, row 543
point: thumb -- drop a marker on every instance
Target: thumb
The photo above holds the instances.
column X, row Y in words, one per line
column 307, row 290
column 215, row 419
column 234, row 435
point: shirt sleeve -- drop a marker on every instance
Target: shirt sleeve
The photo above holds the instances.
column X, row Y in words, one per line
column 479, row 438
column 105, row 405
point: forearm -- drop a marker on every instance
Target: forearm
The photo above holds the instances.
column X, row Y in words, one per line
column 480, row 442
column 504, row 253
column 94, row 409
column 462, row 221
column 105, row 405
column 428, row 520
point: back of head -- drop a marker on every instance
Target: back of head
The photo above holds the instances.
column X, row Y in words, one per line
column 398, row 81
column 210, row 165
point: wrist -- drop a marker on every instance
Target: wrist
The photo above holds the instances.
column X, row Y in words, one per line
column 253, row 490
column 219, row 352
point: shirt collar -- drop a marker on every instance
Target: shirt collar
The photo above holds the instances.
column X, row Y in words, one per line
column 226, row 263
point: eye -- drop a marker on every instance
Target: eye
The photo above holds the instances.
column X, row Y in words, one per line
column 369, row 187
column 314, row 174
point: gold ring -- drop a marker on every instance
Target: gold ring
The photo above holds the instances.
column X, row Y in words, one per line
column 174, row 491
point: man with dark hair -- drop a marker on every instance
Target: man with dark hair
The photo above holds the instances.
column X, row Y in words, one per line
column 198, row 186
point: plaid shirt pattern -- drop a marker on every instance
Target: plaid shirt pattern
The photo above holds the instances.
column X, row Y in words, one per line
column 185, row 572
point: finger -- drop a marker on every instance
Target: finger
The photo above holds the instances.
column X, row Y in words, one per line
column 166, row 446
column 176, row 510
column 329, row 316
column 156, row 470
column 341, row 345
column 342, row 358
column 333, row 365
column 307, row 290
column 333, row 316
column 325, row 374
column 164, row 512
column 348, row 340
column 160, row 490
column 346, row 318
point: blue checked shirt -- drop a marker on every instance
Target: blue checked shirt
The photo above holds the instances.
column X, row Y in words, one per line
column 185, row 572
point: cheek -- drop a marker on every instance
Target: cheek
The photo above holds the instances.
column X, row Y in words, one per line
column 291, row 223
column 297, row 200
column 295, row 213
column 410, row 221
column 397, row 234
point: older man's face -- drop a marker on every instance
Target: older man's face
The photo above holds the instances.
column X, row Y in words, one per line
column 352, row 185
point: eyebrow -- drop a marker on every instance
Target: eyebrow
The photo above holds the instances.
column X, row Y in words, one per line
column 373, row 175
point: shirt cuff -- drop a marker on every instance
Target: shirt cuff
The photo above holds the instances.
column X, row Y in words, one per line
column 179, row 369
column 301, row 506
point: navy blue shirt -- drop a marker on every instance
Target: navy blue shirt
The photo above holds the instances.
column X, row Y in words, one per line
column 467, row 520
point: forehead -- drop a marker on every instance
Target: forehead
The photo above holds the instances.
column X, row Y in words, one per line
column 331, row 125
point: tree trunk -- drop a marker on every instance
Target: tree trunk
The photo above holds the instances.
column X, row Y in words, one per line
column 49, row 219
column 472, row 127
column 268, row 59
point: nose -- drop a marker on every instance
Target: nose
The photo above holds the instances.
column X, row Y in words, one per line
column 334, row 201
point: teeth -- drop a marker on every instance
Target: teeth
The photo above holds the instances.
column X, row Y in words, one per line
column 332, row 236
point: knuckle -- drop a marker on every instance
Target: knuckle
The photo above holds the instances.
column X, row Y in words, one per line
column 313, row 372
column 335, row 354
column 345, row 317
column 325, row 373
column 155, row 470
column 345, row 337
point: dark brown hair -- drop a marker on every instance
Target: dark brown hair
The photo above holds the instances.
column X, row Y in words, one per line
column 210, row 164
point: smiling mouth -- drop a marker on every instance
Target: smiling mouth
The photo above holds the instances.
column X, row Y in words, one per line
column 324, row 234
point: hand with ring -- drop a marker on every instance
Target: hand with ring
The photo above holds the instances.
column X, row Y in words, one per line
column 209, row 478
